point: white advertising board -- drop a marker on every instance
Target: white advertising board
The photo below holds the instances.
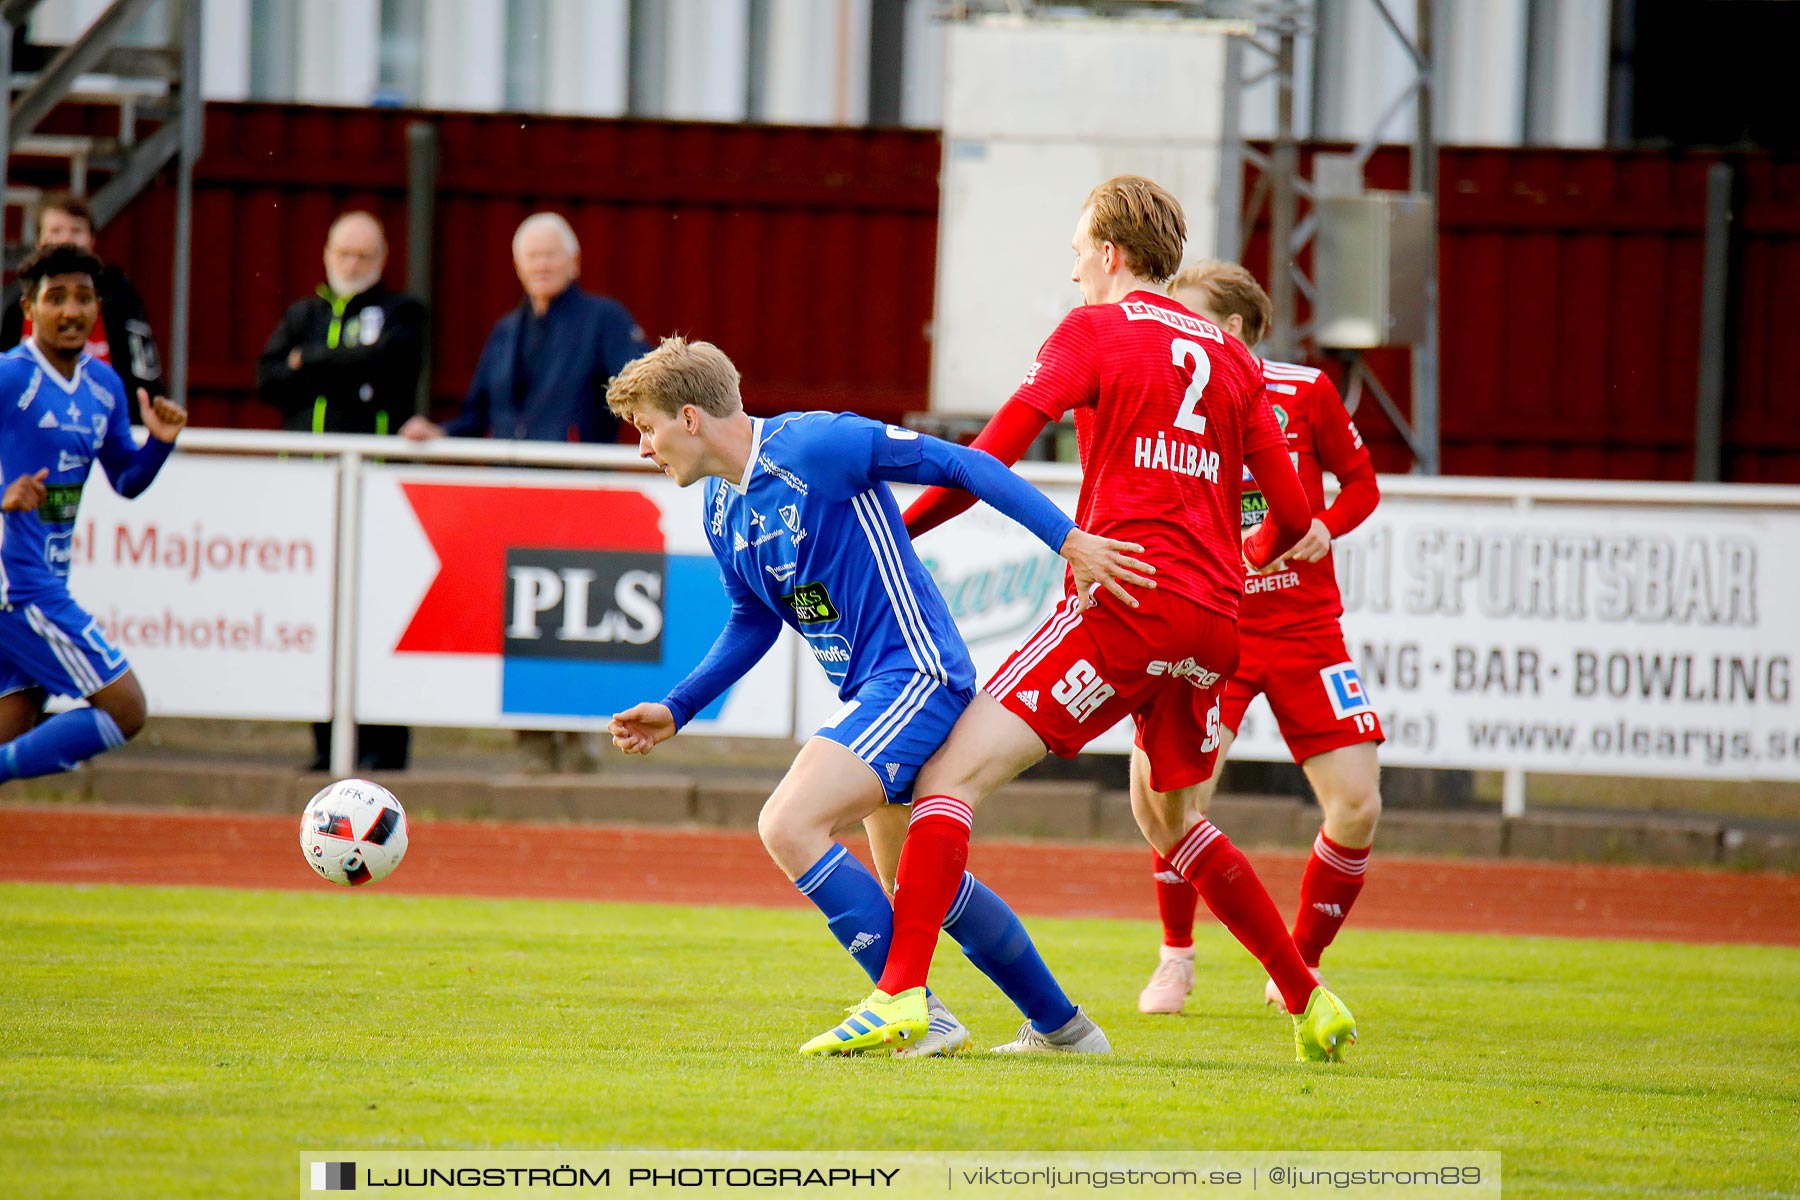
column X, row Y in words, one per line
column 542, row 599
column 1564, row 636
column 217, row 584
column 1617, row 639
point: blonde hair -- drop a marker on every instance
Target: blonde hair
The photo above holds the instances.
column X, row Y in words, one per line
column 1143, row 219
column 1229, row 288
column 674, row 375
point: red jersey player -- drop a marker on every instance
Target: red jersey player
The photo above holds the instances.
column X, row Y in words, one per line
column 1168, row 412
column 1291, row 648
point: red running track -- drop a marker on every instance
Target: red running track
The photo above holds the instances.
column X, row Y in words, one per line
column 684, row 866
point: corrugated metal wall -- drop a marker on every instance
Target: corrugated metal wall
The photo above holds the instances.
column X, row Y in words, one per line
column 1570, row 314
column 1570, row 279
column 807, row 254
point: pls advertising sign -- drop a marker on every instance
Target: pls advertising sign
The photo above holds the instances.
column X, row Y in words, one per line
column 542, row 599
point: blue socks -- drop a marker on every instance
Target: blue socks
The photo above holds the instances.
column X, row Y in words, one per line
column 991, row 935
column 993, row 938
column 66, row 739
column 855, row 907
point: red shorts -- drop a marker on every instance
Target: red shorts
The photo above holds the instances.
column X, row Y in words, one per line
column 1165, row 663
column 1313, row 689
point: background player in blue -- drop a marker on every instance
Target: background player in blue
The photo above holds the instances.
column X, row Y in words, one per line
column 60, row 410
column 806, row 532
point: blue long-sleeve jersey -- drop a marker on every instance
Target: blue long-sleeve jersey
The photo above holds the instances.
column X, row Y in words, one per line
column 60, row 425
column 811, row 537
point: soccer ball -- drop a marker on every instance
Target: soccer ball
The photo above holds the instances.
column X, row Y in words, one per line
column 353, row 832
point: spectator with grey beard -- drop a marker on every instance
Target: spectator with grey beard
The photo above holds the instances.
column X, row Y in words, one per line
column 347, row 360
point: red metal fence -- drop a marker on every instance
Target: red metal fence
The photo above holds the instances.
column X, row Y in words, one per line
column 1570, row 279
column 806, row 253
column 1570, row 314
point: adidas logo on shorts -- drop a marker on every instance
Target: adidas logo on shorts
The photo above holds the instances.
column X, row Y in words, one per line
column 1028, row 699
column 863, row 941
column 893, row 770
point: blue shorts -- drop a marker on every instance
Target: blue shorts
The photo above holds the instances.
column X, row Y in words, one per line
column 52, row 643
column 894, row 723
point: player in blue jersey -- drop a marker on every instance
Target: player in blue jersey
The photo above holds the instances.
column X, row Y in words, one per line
column 799, row 515
column 61, row 409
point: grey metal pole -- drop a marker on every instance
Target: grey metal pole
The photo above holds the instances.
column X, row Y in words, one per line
column 1424, row 178
column 421, row 236
column 1228, row 238
column 344, row 619
column 1715, row 297
column 192, row 118
column 1284, row 164
column 6, row 32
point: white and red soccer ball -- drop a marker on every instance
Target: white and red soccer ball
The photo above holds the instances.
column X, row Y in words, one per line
column 353, row 832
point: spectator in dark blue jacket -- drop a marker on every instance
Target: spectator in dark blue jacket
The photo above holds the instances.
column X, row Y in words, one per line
column 543, row 373
column 542, row 378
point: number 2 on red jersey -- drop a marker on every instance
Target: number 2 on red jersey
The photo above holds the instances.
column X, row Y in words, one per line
column 1186, row 353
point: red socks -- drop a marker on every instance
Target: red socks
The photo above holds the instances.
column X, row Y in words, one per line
column 1334, row 875
column 1226, row 881
column 931, row 870
column 1177, row 901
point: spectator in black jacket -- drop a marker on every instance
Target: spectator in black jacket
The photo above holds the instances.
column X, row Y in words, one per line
column 122, row 335
column 347, row 359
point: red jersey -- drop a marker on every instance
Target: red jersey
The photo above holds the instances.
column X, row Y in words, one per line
column 1320, row 437
column 1166, row 407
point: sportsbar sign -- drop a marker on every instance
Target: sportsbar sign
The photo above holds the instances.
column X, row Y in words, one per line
column 1574, row 637
column 1585, row 637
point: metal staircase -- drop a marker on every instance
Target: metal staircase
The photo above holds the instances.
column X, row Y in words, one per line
column 155, row 92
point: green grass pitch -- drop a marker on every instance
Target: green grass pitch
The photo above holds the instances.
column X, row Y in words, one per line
column 188, row 1042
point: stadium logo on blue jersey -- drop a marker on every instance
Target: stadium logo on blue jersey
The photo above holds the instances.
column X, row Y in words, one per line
column 1343, row 686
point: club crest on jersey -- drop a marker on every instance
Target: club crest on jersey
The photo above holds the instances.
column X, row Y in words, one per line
column 1343, row 687
column 1281, row 417
column 790, row 516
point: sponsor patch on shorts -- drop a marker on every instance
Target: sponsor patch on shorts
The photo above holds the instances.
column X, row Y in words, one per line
column 1343, row 686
